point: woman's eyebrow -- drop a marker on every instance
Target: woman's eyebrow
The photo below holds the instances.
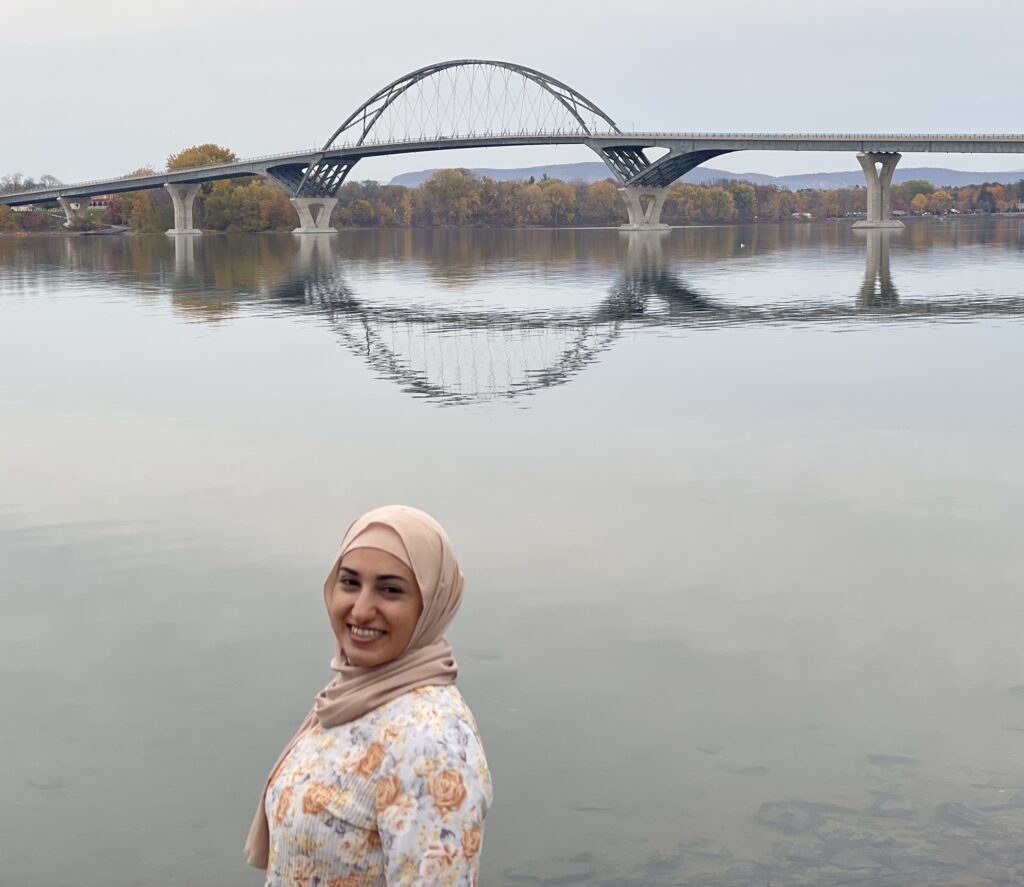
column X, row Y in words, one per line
column 392, row 578
column 348, row 570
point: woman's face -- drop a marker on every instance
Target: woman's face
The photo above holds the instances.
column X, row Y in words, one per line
column 374, row 606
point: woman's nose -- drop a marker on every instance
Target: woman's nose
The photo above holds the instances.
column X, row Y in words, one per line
column 363, row 609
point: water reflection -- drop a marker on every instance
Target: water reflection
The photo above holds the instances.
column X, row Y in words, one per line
column 467, row 356
column 815, row 675
column 878, row 290
column 448, row 343
column 459, row 356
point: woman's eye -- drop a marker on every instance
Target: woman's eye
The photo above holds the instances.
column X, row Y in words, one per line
column 392, row 590
column 348, row 582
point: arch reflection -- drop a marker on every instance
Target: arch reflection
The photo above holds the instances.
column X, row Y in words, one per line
column 464, row 356
column 456, row 356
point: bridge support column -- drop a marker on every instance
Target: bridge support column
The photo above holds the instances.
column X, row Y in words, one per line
column 644, row 208
column 183, row 197
column 76, row 209
column 310, row 223
column 879, row 182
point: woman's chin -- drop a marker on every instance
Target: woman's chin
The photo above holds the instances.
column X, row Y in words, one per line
column 362, row 657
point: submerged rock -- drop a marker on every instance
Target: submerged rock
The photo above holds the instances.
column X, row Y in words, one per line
column 892, row 761
column 705, row 848
column 788, row 816
column 960, row 815
column 892, row 807
column 550, row 873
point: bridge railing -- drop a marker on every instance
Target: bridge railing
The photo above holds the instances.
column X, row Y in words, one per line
column 169, row 172
column 243, row 161
column 846, row 136
column 678, row 136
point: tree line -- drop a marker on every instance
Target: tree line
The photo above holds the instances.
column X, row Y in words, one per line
column 458, row 198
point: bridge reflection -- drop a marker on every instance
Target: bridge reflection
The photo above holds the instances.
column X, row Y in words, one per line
column 426, row 336
column 459, row 356
column 878, row 291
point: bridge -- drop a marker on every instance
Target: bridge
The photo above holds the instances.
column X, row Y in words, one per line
column 479, row 103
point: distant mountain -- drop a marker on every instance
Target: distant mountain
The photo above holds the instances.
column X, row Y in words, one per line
column 594, row 171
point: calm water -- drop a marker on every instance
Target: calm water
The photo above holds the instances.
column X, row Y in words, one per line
column 739, row 510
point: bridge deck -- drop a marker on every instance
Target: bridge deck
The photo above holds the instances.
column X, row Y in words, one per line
column 987, row 143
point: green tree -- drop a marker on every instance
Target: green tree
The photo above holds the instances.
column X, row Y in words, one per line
column 361, row 213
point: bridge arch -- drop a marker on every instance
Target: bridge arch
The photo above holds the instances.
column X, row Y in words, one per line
column 403, row 101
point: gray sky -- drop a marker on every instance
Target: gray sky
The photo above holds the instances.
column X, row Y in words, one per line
column 98, row 89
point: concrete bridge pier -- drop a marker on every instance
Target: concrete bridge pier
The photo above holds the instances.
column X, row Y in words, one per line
column 644, row 208
column 878, row 169
column 320, row 223
column 76, row 209
column 183, row 196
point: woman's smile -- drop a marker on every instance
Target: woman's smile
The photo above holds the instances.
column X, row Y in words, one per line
column 365, row 635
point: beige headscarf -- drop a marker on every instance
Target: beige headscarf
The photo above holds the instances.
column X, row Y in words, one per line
column 420, row 542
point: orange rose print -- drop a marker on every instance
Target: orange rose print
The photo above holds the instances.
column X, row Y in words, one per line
column 370, row 761
column 448, row 791
column 303, row 871
column 347, row 881
column 283, row 803
column 388, row 790
column 471, row 841
column 438, row 860
column 317, row 797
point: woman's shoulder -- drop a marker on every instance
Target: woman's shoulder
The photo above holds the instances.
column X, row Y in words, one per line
column 431, row 720
column 428, row 707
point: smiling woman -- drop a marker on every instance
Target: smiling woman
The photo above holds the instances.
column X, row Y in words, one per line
column 385, row 781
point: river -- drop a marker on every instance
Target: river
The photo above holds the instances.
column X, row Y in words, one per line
column 738, row 509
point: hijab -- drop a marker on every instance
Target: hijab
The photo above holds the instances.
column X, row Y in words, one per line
column 420, row 542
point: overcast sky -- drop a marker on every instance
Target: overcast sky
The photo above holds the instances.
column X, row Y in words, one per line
column 101, row 88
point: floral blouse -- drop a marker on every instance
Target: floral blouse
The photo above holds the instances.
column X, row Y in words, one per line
column 396, row 797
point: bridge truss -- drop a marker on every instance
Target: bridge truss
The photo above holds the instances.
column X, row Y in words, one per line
column 449, row 102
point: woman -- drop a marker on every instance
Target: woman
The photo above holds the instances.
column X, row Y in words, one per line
column 386, row 781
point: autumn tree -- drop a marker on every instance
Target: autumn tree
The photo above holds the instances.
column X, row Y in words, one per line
column 146, row 211
column 560, row 200
column 451, row 196
column 941, row 202
column 602, row 204
column 200, row 155
column 361, row 213
column 745, row 200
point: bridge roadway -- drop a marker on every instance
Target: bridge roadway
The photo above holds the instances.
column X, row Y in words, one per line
column 643, row 181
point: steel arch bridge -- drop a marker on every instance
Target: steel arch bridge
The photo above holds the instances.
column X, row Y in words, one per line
column 459, row 103
column 475, row 103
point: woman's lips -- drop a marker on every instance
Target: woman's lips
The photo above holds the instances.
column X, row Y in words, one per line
column 365, row 636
